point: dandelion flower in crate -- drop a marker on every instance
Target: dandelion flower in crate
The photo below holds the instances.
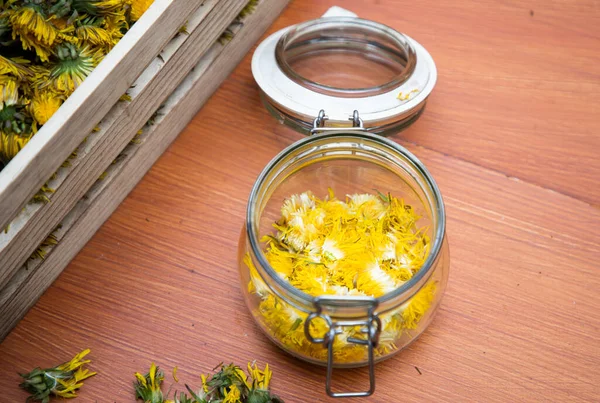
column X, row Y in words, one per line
column 139, row 7
column 10, row 144
column 247, row 10
column 116, row 24
column 73, row 66
column 4, row 24
column 98, row 7
column 90, row 30
column 14, row 67
column 44, row 104
column 9, row 92
column 16, row 126
column 31, row 25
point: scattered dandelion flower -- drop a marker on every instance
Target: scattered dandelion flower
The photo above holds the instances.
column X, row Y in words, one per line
column 61, row 381
column 148, row 387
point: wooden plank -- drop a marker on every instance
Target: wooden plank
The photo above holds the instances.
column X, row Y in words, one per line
column 117, row 129
column 90, row 212
column 51, row 146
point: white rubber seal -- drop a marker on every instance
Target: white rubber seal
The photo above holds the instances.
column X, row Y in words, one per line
column 383, row 107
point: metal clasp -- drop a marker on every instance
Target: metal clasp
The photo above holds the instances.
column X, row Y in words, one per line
column 319, row 124
column 371, row 327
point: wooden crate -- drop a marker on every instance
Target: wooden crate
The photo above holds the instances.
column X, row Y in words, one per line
column 185, row 73
column 90, row 104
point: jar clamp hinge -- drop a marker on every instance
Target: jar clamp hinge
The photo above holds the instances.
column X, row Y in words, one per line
column 319, row 124
column 371, row 327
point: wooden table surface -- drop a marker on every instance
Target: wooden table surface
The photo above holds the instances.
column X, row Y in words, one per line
column 511, row 134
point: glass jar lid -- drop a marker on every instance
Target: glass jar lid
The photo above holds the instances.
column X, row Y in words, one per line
column 341, row 65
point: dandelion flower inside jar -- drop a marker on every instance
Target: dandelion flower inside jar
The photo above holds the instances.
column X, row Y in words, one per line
column 343, row 259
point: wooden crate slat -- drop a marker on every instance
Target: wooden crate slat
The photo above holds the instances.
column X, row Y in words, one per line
column 91, row 211
column 55, row 141
column 117, row 129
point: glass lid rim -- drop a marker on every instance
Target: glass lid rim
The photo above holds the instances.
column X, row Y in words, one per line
column 439, row 235
column 400, row 39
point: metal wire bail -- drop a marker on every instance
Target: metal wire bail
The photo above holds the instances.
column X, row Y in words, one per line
column 319, row 124
column 371, row 327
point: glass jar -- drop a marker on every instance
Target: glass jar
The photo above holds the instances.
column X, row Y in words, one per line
column 345, row 154
column 333, row 330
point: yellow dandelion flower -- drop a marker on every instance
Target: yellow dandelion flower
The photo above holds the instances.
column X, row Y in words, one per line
column 14, row 66
column 73, row 67
column 44, row 104
column 232, row 395
column 148, row 387
column 29, row 42
column 28, row 20
column 10, row 144
column 366, row 206
column 312, row 279
column 204, row 385
column 374, row 281
column 98, row 7
column 256, row 284
column 9, row 91
column 418, row 306
column 139, row 7
column 302, row 223
column 89, row 30
column 61, row 23
column 297, row 203
column 260, row 378
column 115, row 23
column 281, row 260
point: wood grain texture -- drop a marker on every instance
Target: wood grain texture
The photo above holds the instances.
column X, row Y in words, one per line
column 30, row 281
column 521, row 318
column 55, row 141
column 116, row 130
